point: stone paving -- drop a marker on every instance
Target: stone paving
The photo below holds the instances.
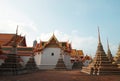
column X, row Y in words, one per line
column 74, row 75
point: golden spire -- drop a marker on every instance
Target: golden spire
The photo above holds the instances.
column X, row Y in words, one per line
column 109, row 55
column 17, row 30
column 15, row 39
column 108, row 45
column 119, row 48
column 14, row 44
column 99, row 40
column 100, row 47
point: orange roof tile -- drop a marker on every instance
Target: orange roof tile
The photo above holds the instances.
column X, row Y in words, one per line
column 53, row 40
column 86, row 58
column 6, row 39
column 21, row 51
column 75, row 52
column 80, row 52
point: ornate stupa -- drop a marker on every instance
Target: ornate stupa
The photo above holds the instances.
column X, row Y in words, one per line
column 77, row 65
column 11, row 65
column 109, row 55
column 117, row 57
column 101, row 65
column 60, row 64
column 31, row 64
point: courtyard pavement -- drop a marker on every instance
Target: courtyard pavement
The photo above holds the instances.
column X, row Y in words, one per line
column 74, row 75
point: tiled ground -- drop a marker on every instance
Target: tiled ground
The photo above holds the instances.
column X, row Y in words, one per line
column 59, row 76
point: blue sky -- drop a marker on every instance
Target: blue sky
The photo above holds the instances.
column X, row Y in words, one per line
column 73, row 20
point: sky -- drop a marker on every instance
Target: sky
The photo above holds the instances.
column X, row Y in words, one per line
column 75, row 21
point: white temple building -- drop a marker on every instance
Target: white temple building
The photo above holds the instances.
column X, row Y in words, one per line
column 48, row 52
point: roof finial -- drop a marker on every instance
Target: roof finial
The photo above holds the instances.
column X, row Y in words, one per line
column 17, row 30
column 119, row 47
column 99, row 40
column 15, row 39
column 108, row 45
column 53, row 34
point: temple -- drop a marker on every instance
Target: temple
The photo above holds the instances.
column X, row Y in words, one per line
column 14, row 53
column 48, row 52
column 17, row 58
column 44, row 55
column 12, row 64
column 22, row 50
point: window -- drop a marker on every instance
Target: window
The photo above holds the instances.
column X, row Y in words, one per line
column 52, row 54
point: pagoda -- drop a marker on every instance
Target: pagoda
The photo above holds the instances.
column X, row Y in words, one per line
column 60, row 64
column 11, row 65
column 101, row 65
column 109, row 55
column 77, row 65
column 31, row 64
column 117, row 57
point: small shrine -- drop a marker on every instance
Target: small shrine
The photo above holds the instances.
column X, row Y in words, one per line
column 31, row 64
column 60, row 64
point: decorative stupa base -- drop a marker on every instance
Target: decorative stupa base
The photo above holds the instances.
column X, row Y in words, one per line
column 118, row 65
column 11, row 71
column 60, row 65
column 12, row 66
column 101, row 71
column 31, row 65
column 77, row 65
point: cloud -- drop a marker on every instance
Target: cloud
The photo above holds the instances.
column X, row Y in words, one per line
column 10, row 17
column 87, row 44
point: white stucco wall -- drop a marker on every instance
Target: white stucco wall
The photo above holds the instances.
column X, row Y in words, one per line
column 37, row 58
column 1, row 61
column 47, row 60
column 25, row 59
column 67, row 61
column 86, row 63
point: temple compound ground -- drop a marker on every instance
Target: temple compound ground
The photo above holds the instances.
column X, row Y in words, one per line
column 74, row 75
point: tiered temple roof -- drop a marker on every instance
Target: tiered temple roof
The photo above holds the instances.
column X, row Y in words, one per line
column 53, row 42
column 86, row 58
column 12, row 65
column 12, row 47
column 7, row 42
column 76, row 53
column 7, row 39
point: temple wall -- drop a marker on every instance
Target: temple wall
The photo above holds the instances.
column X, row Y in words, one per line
column 1, row 61
column 49, row 61
column 25, row 59
column 67, row 61
column 37, row 58
column 45, row 59
column 86, row 63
